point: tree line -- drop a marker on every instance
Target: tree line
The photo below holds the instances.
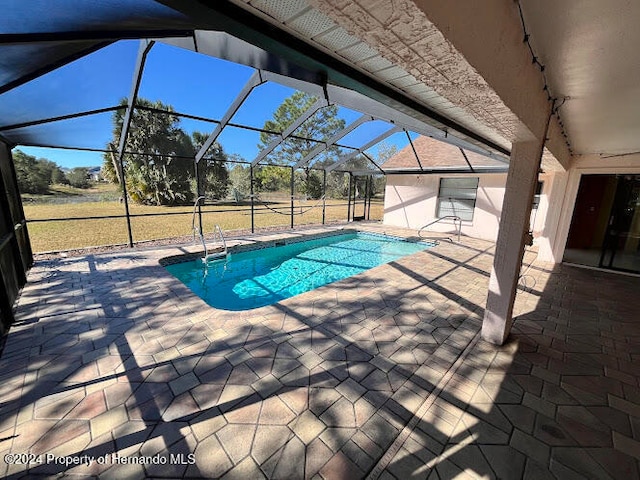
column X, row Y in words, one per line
column 36, row 175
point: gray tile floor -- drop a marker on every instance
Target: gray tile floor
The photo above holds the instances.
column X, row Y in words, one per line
column 113, row 363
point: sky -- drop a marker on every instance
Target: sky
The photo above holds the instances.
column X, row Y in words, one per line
column 190, row 82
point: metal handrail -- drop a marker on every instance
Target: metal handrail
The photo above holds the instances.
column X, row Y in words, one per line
column 216, row 229
column 224, row 252
column 196, row 229
column 457, row 221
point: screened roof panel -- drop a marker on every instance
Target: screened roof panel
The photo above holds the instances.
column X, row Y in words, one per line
column 290, row 152
column 190, row 126
column 53, row 33
column 284, row 154
column 241, row 142
column 96, row 81
column 86, row 15
column 320, row 160
column 347, row 114
column 169, row 72
column 19, row 62
column 329, row 157
column 322, row 125
column 261, row 105
column 191, row 83
column 432, row 154
column 358, row 163
column 387, row 148
column 93, row 131
column 477, row 160
column 364, row 134
column 40, row 35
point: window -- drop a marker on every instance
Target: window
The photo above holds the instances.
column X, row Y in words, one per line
column 536, row 196
column 457, row 196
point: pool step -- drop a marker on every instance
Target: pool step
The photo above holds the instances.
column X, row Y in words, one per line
column 215, row 256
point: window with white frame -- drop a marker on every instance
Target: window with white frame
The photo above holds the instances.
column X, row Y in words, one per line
column 457, row 197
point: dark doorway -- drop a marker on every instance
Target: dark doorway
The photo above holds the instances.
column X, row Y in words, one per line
column 589, row 220
column 605, row 228
column 621, row 246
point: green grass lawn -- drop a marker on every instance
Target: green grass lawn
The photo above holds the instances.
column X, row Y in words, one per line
column 103, row 200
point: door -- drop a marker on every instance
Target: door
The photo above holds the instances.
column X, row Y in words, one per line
column 587, row 212
column 361, row 197
column 621, row 246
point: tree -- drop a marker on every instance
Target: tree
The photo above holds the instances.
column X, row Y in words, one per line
column 309, row 183
column 155, row 173
column 79, row 177
column 272, row 178
column 33, row 175
column 51, row 171
column 240, row 179
column 212, row 169
column 320, row 127
column 58, row 176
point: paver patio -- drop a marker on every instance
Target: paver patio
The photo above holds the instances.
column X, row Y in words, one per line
column 380, row 375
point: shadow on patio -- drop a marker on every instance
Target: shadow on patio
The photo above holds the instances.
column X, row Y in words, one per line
column 378, row 374
column 559, row 400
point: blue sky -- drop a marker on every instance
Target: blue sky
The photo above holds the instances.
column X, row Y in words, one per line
column 192, row 83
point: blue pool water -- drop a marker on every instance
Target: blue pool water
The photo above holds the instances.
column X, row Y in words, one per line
column 262, row 277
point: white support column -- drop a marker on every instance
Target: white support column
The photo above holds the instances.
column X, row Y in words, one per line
column 514, row 224
column 551, row 214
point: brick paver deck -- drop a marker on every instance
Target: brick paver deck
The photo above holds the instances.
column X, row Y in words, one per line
column 113, row 362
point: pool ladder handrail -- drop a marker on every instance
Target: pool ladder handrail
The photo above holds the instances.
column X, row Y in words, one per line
column 224, row 253
column 457, row 222
column 216, row 229
column 195, row 228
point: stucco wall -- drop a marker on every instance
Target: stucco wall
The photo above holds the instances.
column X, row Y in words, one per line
column 411, row 201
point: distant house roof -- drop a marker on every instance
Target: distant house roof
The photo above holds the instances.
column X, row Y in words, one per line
column 436, row 154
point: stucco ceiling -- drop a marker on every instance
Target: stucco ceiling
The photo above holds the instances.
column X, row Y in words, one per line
column 374, row 40
column 589, row 49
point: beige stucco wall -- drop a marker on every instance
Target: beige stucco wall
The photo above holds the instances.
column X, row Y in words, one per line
column 412, row 200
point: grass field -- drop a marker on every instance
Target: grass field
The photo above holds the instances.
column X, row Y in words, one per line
column 100, row 192
column 103, row 201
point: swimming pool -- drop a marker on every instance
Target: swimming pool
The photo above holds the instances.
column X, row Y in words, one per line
column 257, row 278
